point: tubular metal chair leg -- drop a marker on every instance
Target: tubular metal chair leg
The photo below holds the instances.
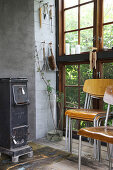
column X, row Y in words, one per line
column 70, row 136
column 95, row 149
column 99, row 150
column 109, row 156
column 66, row 132
column 79, row 156
column 95, row 144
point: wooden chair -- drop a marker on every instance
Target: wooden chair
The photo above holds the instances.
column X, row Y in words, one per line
column 94, row 88
column 102, row 133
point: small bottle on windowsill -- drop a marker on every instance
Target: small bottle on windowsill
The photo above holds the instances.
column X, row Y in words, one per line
column 105, row 48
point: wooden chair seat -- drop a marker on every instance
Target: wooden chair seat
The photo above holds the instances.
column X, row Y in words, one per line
column 102, row 133
column 83, row 114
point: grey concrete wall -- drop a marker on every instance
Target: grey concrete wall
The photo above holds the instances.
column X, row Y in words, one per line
column 44, row 121
column 17, row 47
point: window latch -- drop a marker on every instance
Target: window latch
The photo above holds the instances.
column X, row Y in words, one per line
column 100, row 39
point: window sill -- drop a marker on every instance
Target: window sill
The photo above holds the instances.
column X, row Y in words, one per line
column 84, row 57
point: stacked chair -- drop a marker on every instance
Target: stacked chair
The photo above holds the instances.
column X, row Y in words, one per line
column 94, row 88
column 101, row 133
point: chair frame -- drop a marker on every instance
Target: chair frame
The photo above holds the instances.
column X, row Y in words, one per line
column 87, row 105
column 99, row 143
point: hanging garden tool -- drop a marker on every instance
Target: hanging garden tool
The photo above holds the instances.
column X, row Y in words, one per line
column 45, row 10
column 51, row 60
column 51, row 17
column 44, row 58
column 40, row 14
column 45, row 65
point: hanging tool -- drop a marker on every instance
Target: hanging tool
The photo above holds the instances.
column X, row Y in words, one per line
column 40, row 11
column 45, row 65
column 51, row 59
column 44, row 11
column 50, row 17
column 44, row 58
column 40, row 14
column 47, row 7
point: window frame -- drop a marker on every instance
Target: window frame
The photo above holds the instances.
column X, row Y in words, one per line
column 79, row 19
column 82, row 58
column 97, row 27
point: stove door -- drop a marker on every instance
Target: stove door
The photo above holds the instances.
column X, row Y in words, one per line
column 20, row 94
column 19, row 136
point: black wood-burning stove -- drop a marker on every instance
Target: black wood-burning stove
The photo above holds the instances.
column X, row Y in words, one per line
column 14, row 117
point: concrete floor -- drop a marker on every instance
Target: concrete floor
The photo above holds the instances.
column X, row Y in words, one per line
column 87, row 153
column 53, row 156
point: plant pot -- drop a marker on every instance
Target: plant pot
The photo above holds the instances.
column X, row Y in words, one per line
column 55, row 135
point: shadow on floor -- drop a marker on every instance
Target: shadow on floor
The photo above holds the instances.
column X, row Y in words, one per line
column 47, row 158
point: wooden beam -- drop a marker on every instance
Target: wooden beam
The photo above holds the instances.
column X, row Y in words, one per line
column 61, row 28
column 101, row 24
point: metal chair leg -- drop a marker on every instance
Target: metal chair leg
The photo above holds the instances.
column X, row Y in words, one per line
column 99, row 150
column 71, row 137
column 95, row 143
column 79, row 157
column 109, row 156
column 69, row 134
column 66, row 132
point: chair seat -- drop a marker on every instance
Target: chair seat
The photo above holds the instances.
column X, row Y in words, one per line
column 83, row 114
column 101, row 133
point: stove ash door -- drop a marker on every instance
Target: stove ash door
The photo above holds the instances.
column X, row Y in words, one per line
column 19, row 136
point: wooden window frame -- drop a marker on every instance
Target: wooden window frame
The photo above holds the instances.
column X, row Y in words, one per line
column 82, row 58
column 62, row 85
column 62, row 31
column 97, row 27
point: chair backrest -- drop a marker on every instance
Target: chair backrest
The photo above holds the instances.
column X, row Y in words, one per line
column 97, row 87
column 108, row 98
column 108, row 95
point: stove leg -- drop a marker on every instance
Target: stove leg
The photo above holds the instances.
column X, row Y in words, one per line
column 15, row 159
column 0, row 154
column 30, row 154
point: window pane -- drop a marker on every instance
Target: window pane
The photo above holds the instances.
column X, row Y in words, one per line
column 71, row 40
column 85, row 73
column 82, row 98
column 86, row 40
column 108, row 11
column 86, row 15
column 108, row 74
column 108, row 36
column 69, row 3
column 71, row 19
column 72, row 97
column 83, row 1
column 72, row 75
column 108, row 70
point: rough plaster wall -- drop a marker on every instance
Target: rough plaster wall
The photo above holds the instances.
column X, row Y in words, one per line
column 44, row 121
column 17, row 47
